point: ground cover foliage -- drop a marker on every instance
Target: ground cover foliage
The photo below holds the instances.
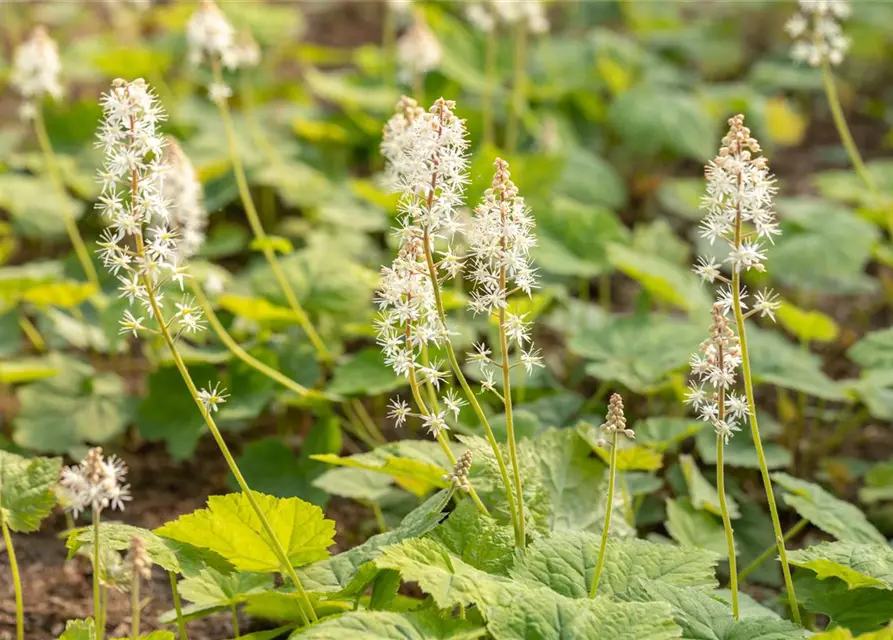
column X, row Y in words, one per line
column 450, row 263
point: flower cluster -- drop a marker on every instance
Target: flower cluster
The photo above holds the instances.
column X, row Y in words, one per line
column 212, row 397
column 739, row 207
column 143, row 257
column 35, row 70
column 183, row 194
column 138, row 558
column 427, row 164
column 499, row 243
column 418, row 50
column 817, row 33
column 95, row 484
column 458, row 477
column 530, row 12
column 434, row 421
column 211, row 38
column 244, row 53
column 615, row 420
column 480, row 17
column 715, row 369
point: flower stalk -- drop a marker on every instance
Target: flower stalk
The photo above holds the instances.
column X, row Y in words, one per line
column 16, row 579
column 614, row 424
column 178, row 607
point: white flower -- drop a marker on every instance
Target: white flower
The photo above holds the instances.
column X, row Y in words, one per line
column 399, row 410
column 209, row 34
column 219, row 92
column 183, row 193
column 817, row 33
column 453, row 403
column 707, row 269
column 767, row 303
column 432, row 374
column 243, row 54
column 481, row 355
column 129, row 324
column 418, row 50
column 95, row 484
column 188, row 316
column 435, row 423
column 479, row 17
column 530, row 359
column 696, row 396
column 529, row 12
column 211, row 399
column 36, row 68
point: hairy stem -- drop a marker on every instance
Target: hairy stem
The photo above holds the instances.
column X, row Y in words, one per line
column 609, row 507
column 178, row 607
column 519, row 87
column 257, row 228
column 235, row 616
column 224, row 449
column 16, row 580
column 770, row 551
column 135, row 605
column 758, row 443
column 97, row 594
column 77, row 242
column 727, row 525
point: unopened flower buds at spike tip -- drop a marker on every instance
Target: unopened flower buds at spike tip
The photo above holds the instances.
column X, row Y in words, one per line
column 458, row 477
column 138, row 558
column 615, row 421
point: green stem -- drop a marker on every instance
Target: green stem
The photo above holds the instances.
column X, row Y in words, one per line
column 609, row 507
column 257, row 228
column 770, row 551
column 491, row 48
column 16, row 580
column 727, row 525
column 235, row 615
column 135, row 605
column 469, row 394
column 52, row 166
column 379, row 516
column 224, row 449
column 367, row 420
column 755, row 432
column 519, row 87
column 32, row 332
column 178, row 607
column 237, row 350
column 97, row 596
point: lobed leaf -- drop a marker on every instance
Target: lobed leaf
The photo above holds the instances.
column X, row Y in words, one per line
column 26, row 490
column 859, row 565
column 117, row 536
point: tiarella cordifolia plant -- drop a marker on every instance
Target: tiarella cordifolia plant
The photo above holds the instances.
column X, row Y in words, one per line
column 740, row 213
column 614, row 425
column 141, row 569
column 182, row 193
column 211, row 39
column 35, row 71
column 418, row 52
column 817, row 32
column 427, row 164
column 95, row 484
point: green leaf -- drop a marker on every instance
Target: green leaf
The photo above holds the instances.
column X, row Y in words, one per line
column 639, row 352
column 702, row 494
column 117, row 536
column 365, row 374
column 477, row 539
column 663, row 433
column 356, row 484
column 386, row 625
column 860, row 610
column 28, row 369
column 573, row 238
column 824, row 248
column 26, row 490
column 231, row 528
column 256, row 309
column 79, row 630
column 702, row 617
column 807, row 326
column 384, row 590
column 32, row 212
column 874, row 350
column 692, row 528
column 859, row 565
column 779, row 362
column 630, row 457
column 654, row 119
column 839, row 518
column 271, row 467
column 740, row 451
column 445, row 577
column 348, row 572
column 416, row 476
column 75, row 407
column 211, row 588
column 548, row 616
column 589, row 178
column 565, row 562
column 666, row 281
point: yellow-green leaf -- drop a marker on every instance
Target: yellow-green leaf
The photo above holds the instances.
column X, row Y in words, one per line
column 630, row 457
column 59, row 294
column 859, row 565
column 786, row 125
column 277, row 244
column 808, row 326
column 417, row 477
column 231, row 528
column 704, row 495
column 257, row 309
